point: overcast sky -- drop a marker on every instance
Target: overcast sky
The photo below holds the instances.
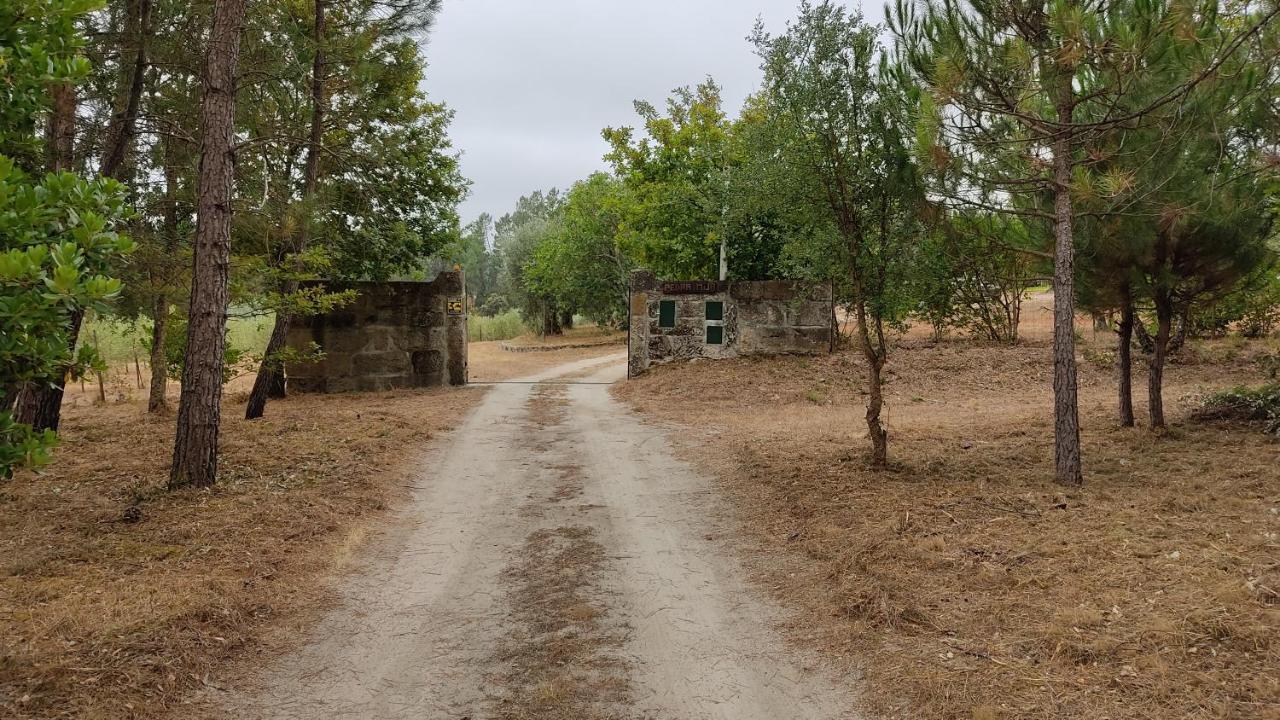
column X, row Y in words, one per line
column 532, row 83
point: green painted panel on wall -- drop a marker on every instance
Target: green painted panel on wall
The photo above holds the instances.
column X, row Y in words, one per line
column 667, row 313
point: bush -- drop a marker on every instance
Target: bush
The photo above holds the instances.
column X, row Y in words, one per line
column 1253, row 405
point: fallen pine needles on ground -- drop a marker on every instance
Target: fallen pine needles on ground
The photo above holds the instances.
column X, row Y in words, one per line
column 961, row 582
column 121, row 598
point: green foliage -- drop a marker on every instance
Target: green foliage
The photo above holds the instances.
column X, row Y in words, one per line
column 518, row 235
column 503, row 326
column 20, row 446
column 39, row 45
column 1254, row 309
column 58, row 239
column 57, row 244
column 1241, row 404
column 676, row 176
column 117, row 341
column 470, row 250
column 841, row 167
column 581, row 263
column 175, row 347
column 974, row 270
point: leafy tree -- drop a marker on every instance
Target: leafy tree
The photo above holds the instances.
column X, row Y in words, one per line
column 58, row 234
column 989, row 263
column 539, row 306
column 1173, row 237
column 378, row 188
column 757, row 221
column 528, row 241
column 473, row 252
column 677, row 177
column 583, row 264
column 841, row 130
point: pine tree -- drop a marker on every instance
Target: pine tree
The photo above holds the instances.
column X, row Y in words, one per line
column 195, row 450
column 1021, row 91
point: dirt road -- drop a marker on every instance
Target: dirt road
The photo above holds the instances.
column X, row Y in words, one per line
column 557, row 561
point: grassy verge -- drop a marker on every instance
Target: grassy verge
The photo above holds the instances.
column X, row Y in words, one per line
column 962, row 583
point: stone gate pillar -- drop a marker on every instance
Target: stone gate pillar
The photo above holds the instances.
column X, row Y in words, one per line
column 456, row 327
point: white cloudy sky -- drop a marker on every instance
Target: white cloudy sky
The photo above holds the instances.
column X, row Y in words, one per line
column 532, row 83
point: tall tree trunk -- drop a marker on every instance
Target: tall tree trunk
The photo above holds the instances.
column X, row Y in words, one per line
column 1066, row 412
column 270, row 381
column 124, row 122
column 195, row 450
column 156, row 400
column 42, row 406
column 62, row 128
column 550, row 321
column 1155, row 362
column 874, row 352
column 1124, row 360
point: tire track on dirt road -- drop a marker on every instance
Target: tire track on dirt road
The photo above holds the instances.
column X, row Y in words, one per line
column 555, row 563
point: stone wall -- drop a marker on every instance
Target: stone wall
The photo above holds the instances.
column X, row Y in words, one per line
column 675, row 320
column 394, row 334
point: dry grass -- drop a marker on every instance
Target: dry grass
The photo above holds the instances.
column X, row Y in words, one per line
column 962, row 582
column 120, row 598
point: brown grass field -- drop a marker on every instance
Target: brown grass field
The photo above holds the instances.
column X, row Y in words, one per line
column 120, row 600
column 962, row 583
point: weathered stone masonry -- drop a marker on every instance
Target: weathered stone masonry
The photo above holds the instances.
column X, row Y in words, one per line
column 720, row 319
column 395, row 334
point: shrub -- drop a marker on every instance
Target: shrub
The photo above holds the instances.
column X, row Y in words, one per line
column 1241, row 404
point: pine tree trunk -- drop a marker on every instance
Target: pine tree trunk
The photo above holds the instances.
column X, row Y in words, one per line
column 39, row 404
column 1124, row 362
column 1066, row 411
column 550, row 321
column 124, row 122
column 1155, row 363
column 156, row 400
column 195, row 451
column 270, row 373
column 270, row 382
column 62, row 128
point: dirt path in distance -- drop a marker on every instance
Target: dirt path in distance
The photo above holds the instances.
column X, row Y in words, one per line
column 556, row 562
